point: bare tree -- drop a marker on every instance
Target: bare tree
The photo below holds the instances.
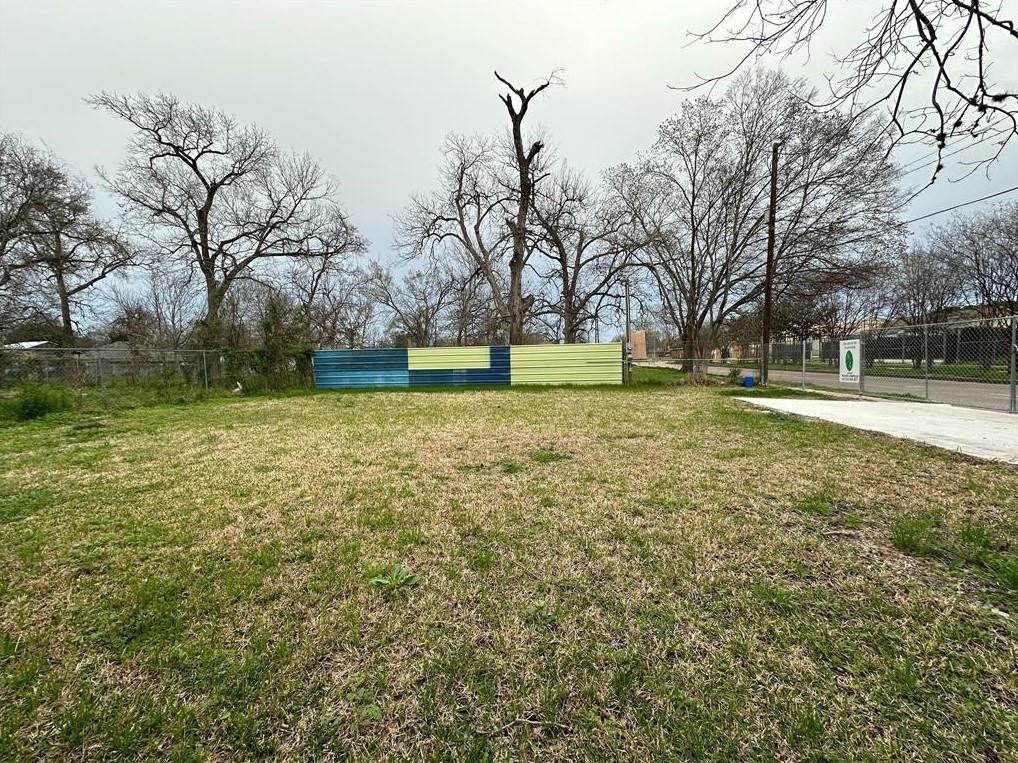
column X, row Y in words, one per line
column 459, row 225
column 985, row 247
column 220, row 197
column 699, row 200
column 926, row 284
column 517, row 103
column 581, row 237
column 30, row 182
column 847, row 310
column 53, row 249
column 930, row 62
column 417, row 303
column 473, row 317
column 75, row 252
column 159, row 311
column 480, row 216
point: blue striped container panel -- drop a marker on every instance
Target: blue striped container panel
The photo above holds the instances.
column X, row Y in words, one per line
column 344, row 369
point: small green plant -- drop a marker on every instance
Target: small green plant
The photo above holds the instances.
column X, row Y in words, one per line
column 915, row 534
column 38, row 400
column 394, row 578
column 1006, row 568
column 735, row 375
column 821, row 504
column 548, row 456
column 510, row 467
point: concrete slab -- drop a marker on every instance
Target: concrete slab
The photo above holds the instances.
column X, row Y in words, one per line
column 983, row 434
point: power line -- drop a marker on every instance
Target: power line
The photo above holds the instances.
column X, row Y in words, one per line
column 922, row 162
column 959, row 206
column 869, row 236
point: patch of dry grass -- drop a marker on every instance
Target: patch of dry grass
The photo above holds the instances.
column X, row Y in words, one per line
column 660, row 573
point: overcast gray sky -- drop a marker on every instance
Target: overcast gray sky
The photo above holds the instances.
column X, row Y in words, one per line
column 371, row 88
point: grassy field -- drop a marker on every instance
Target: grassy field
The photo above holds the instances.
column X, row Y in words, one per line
column 649, row 573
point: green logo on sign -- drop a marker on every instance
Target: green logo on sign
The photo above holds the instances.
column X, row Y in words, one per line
column 849, row 360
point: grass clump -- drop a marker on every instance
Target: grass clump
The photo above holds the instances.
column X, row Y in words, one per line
column 914, row 534
column 966, row 543
column 548, row 456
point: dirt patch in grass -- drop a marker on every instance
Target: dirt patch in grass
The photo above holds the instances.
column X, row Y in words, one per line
column 501, row 575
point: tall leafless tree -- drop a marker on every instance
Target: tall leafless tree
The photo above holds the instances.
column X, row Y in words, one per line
column 581, row 237
column 699, row 200
column 460, row 225
column 517, row 103
column 221, row 197
column 481, row 213
column 30, row 182
column 985, row 248
column 75, row 252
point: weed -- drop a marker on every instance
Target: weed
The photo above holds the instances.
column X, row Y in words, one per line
column 394, row 578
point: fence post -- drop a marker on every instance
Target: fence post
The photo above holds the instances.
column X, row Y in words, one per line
column 1013, row 407
column 862, row 363
column 926, row 358
column 205, row 369
column 804, row 364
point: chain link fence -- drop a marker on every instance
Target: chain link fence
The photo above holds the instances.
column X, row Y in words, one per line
column 970, row 362
column 125, row 374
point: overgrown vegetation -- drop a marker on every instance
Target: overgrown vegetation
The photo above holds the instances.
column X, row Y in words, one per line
column 36, row 400
column 363, row 576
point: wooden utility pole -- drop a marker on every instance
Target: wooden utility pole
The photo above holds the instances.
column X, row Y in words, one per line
column 765, row 339
column 627, row 348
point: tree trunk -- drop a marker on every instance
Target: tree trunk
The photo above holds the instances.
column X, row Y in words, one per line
column 212, row 330
column 569, row 327
column 688, row 349
column 516, row 297
column 56, row 266
column 66, row 324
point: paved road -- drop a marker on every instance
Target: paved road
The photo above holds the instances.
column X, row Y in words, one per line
column 984, row 434
column 971, row 394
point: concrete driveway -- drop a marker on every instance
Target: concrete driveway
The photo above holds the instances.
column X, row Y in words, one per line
column 979, row 433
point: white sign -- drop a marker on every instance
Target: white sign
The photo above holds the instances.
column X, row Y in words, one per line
column 850, row 363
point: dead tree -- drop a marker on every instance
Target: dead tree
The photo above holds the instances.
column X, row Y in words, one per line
column 517, row 103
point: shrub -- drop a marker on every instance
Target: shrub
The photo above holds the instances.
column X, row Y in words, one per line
column 735, row 375
column 37, row 400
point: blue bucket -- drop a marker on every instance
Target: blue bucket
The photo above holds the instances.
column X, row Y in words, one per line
column 749, row 381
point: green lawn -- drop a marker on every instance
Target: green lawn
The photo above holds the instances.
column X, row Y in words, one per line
column 610, row 574
column 998, row 373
